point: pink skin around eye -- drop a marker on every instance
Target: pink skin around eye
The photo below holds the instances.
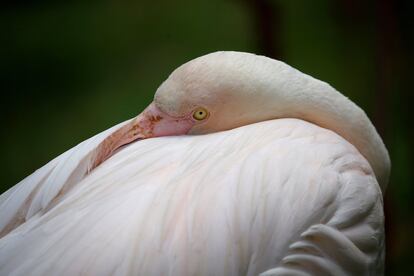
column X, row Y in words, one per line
column 152, row 122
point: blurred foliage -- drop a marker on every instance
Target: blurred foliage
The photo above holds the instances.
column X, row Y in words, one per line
column 71, row 70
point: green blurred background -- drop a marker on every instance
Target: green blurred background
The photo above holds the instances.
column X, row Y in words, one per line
column 71, row 70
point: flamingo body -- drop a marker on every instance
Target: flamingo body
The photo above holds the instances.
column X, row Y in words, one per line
column 279, row 197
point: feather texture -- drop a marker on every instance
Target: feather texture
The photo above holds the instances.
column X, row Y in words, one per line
column 39, row 191
column 280, row 197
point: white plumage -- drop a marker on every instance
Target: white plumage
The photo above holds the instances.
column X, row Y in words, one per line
column 278, row 197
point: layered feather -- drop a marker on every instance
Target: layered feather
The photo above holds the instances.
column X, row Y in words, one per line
column 276, row 197
column 40, row 190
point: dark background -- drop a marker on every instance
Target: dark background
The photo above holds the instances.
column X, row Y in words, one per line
column 71, row 70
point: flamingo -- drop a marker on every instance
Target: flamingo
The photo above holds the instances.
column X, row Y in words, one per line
column 242, row 165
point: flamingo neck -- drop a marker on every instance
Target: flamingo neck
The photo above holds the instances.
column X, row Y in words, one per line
column 291, row 93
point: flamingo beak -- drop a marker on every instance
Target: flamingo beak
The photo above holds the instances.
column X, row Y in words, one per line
column 152, row 122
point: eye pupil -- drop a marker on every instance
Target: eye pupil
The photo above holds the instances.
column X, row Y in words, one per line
column 200, row 114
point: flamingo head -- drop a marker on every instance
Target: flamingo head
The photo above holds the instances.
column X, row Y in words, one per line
column 201, row 96
column 207, row 94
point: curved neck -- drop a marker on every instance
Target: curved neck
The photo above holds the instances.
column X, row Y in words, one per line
column 298, row 95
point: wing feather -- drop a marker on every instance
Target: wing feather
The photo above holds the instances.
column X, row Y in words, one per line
column 42, row 189
column 351, row 241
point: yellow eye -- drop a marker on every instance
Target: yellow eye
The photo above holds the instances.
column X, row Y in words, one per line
column 200, row 114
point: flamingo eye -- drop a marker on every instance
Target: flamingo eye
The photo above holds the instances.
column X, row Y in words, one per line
column 200, row 114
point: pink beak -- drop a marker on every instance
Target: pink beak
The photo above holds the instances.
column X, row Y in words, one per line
column 152, row 122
